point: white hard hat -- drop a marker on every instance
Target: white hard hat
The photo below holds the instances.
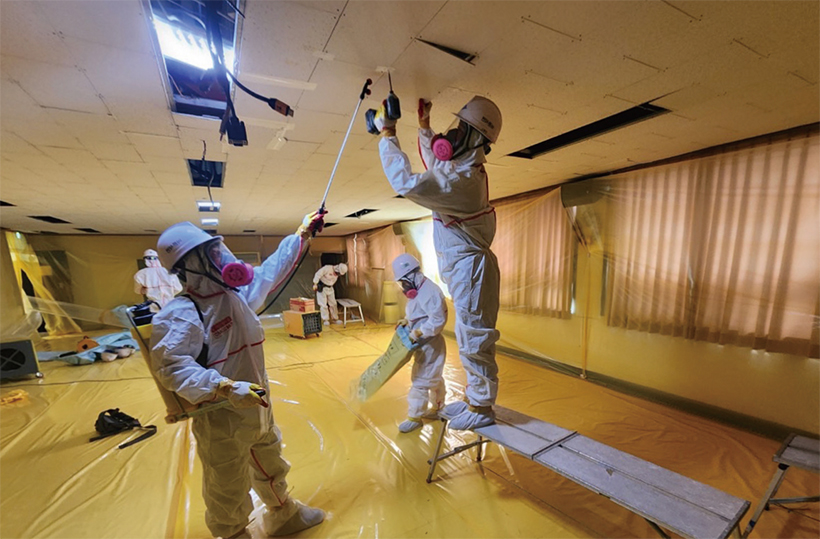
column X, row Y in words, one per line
column 484, row 115
column 178, row 240
column 341, row 269
column 149, row 252
column 404, row 264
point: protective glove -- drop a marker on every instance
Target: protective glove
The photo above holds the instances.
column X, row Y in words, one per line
column 312, row 224
column 241, row 394
column 424, row 113
column 385, row 125
column 415, row 335
column 315, row 287
column 402, row 322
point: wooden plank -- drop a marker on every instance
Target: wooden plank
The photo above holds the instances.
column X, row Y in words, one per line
column 521, row 442
column 671, row 512
column 687, row 489
column 542, row 429
column 802, row 452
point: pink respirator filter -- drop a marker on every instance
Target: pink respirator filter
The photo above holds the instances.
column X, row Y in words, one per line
column 442, row 148
column 237, row 274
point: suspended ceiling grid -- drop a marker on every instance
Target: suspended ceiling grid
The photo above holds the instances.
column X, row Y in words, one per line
column 88, row 136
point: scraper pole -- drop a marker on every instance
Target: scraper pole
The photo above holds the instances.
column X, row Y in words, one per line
column 365, row 92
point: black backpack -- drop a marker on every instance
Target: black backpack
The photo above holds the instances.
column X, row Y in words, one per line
column 111, row 422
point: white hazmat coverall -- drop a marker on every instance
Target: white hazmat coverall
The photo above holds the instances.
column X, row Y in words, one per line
column 427, row 312
column 326, row 297
column 463, row 230
column 239, row 448
column 156, row 283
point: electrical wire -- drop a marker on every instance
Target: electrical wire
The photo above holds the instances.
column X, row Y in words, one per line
column 213, row 172
column 286, row 283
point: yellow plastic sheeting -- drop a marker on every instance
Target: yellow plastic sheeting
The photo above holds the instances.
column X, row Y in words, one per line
column 350, row 459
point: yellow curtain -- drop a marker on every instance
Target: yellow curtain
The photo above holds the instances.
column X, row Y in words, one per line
column 534, row 246
column 723, row 249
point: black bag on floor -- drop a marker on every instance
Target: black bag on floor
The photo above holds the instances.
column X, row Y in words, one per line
column 111, row 422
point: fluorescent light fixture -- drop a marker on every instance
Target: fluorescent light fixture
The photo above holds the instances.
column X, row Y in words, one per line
column 186, row 47
column 209, row 222
column 208, row 206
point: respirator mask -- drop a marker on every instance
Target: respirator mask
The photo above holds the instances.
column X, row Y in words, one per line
column 408, row 285
column 457, row 140
column 234, row 272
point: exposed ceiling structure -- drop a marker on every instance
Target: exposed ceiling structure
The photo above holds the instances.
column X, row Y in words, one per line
column 88, row 135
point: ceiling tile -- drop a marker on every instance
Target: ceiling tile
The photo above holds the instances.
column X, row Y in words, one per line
column 55, row 86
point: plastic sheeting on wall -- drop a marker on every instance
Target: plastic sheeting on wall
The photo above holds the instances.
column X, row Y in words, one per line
column 369, row 259
column 80, row 283
column 26, row 261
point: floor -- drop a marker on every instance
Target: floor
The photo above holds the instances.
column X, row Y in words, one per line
column 349, row 458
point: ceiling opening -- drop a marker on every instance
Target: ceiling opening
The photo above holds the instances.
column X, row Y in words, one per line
column 206, row 173
column 180, row 26
column 360, row 213
column 89, row 230
column 461, row 55
column 4, row 203
column 50, row 219
column 624, row 118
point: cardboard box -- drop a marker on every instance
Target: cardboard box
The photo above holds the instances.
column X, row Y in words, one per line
column 303, row 305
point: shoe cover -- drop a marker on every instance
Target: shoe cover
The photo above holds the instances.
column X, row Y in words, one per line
column 337, row 321
column 409, row 426
column 472, row 420
column 455, row 408
column 304, row 518
column 431, row 413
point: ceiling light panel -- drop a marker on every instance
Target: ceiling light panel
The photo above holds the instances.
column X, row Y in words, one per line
column 208, row 206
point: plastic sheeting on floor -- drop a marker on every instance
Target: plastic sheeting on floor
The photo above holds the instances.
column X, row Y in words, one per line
column 349, row 457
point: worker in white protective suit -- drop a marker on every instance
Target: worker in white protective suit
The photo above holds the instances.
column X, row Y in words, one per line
column 323, row 282
column 207, row 345
column 425, row 316
column 455, row 188
column 154, row 282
